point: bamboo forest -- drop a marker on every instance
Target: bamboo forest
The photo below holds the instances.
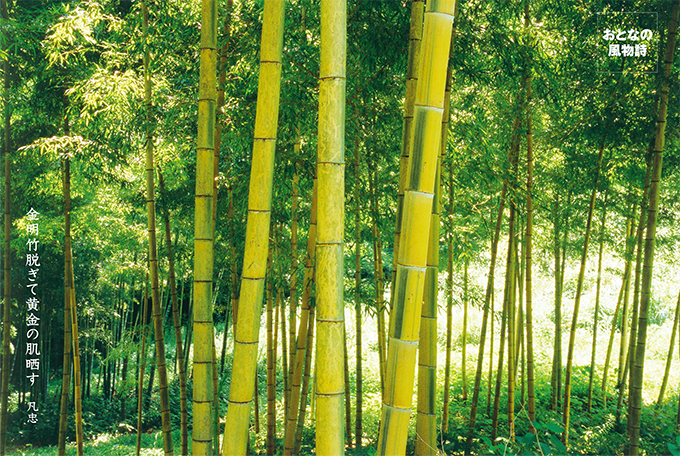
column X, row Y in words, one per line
column 362, row 227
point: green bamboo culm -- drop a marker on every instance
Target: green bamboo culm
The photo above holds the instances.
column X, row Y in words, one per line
column 330, row 171
column 203, row 394
column 247, row 326
column 635, row 392
column 153, row 251
column 417, row 209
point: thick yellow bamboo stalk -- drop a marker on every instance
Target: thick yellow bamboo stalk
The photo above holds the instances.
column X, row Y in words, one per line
column 417, row 208
column 330, row 171
column 637, row 371
column 415, row 39
column 426, row 420
column 202, row 435
column 257, row 231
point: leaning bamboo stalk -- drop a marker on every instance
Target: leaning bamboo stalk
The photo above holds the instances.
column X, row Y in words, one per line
column 417, row 207
column 669, row 358
column 257, row 231
column 597, row 305
column 635, row 393
column 612, row 332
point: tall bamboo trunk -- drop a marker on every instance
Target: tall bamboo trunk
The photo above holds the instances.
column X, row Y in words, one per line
column 330, row 381
column 638, row 266
column 203, row 398
column 577, row 301
column 597, row 304
column 638, row 367
column 528, row 247
column 669, row 358
column 417, row 208
column 153, row 254
column 257, row 231
column 69, row 294
column 66, row 367
column 7, row 267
